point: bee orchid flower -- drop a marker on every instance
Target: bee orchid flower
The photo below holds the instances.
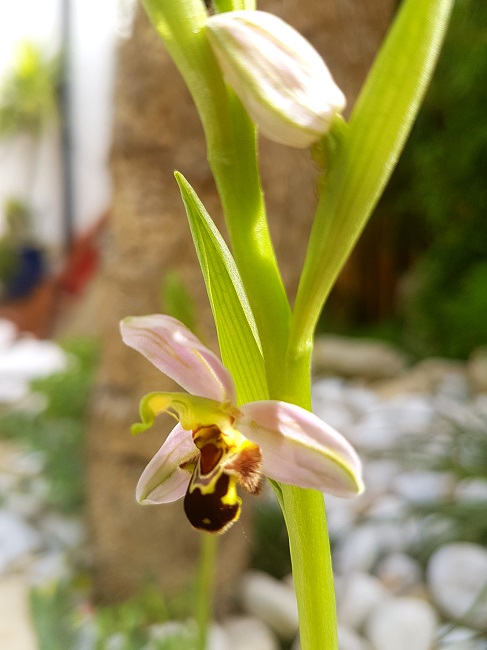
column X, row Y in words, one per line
column 217, row 443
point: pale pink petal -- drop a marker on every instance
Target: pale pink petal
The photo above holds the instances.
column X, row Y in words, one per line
column 300, row 449
column 176, row 352
column 162, row 480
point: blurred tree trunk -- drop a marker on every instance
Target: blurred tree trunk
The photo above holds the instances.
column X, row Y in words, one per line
column 156, row 131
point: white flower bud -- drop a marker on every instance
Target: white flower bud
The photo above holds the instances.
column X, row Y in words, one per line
column 278, row 75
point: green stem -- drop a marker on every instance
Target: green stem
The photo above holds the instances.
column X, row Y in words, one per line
column 234, row 165
column 232, row 154
column 205, row 587
column 304, row 512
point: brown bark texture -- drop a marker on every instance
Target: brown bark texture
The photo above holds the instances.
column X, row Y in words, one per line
column 157, row 131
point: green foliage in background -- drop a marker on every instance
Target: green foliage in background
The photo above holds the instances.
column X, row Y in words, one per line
column 28, row 95
column 461, row 451
column 9, row 261
column 177, row 301
column 18, row 217
column 270, row 533
column 58, row 429
column 440, row 182
column 63, row 620
column 132, row 620
column 51, row 608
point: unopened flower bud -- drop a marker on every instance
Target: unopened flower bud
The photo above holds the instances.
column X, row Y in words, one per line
column 278, row 75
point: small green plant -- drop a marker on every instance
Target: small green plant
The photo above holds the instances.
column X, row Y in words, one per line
column 28, row 95
column 62, row 619
column 51, row 608
column 17, row 217
column 133, row 619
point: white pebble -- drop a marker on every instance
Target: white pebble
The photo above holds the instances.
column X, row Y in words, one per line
column 172, row 633
column 271, row 601
column 359, row 550
column 117, row 641
column 246, row 633
column 217, row 638
column 388, row 507
column 336, row 416
column 350, row 640
column 379, row 474
column 377, row 431
column 471, row 489
column 31, row 359
column 25, row 504
column 330, row 390
column 412, row 414
column 423, row 486
column 17, row 539
column 64, row 531
column 8, row 334
column 340, row 515
column 392, row 536
column 49, row 569
column 454, row 385
column 359, row 594
column 338, row 355
column 30, row 464
column 461, row 415
column 402, row 624
column 479, row 403
column 459, row 638
column 399, row 572
column 13, row 390
column 361, row 400
column 457, row 578
column 329, row 405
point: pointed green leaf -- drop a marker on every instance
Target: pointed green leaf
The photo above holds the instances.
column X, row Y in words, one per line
column 235, row 324
column 368, row 150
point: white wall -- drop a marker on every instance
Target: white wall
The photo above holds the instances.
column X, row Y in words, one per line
column 95, row 27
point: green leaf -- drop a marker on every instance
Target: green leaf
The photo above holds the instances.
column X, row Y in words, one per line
column 235, row 324
column 368, row 150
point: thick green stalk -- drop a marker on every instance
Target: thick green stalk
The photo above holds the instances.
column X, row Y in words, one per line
column 236, row 173
column 232, row 154
column 205, row 587
column 304, row 512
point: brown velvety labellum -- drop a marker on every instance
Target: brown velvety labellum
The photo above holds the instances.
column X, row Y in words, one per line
column 207, row 511
column 210, row 457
